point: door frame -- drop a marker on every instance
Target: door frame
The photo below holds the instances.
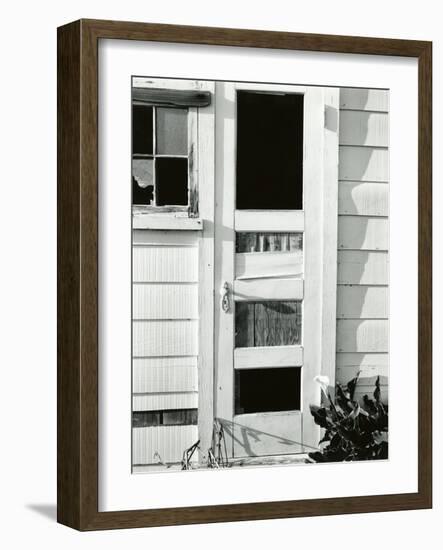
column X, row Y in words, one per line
column 320, row 183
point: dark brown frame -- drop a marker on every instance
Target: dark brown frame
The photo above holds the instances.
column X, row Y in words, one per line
column 77, row 456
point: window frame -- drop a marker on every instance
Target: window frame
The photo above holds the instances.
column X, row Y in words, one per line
column 200, row 142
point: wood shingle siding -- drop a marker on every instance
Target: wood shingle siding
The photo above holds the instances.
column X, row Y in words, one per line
column 363, row 240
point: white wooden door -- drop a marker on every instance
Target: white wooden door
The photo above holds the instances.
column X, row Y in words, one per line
column 273, row 325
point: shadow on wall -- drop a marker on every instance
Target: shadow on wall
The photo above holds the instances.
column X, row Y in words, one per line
column 358, row 176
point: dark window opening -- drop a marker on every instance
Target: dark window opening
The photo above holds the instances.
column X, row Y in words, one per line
column 269, row 151
column 175, row 417
column 267, row 390
column 271, row 323
column 172, row 181
column 142, row 130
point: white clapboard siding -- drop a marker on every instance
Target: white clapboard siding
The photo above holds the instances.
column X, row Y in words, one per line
column 165, row 238
column 363, row 163
column 164, row 401
column 165, row 301
column 153, row 444
column 364, row 100
column 164, row 338
column 250, row 265
column 165, row 264
column 363, row 233
column 270, row 220
column 164, row 374
column 361, row 267
column 362, row 302
column 264, row 357
column 367, row 335
column 370, row 365
column 363, row 240
column 363, row 198
column 364, row 128
column 268, row 289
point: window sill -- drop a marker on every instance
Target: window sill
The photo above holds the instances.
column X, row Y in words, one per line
column 166, row 222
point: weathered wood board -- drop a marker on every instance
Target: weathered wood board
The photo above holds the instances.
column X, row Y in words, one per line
column 267, row 323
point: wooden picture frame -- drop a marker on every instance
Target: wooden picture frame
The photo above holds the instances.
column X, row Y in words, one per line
column 77, row 456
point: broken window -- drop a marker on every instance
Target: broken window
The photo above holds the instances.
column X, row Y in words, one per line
column 269, row 151
column 267, row 390
column 160, row 156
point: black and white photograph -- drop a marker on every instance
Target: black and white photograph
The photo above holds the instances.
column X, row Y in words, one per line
column 260, row 274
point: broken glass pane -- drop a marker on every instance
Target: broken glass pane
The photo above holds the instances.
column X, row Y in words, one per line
column 142, row 181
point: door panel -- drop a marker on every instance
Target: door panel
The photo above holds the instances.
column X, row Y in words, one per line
column 268, row 289
column 276, row 356
column 267, row 434
column 265, row 363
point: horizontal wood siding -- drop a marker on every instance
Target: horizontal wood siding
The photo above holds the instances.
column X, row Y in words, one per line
column 360, row 267
column 164, row 339
column 164, row 374
column 164, row 401
column 363, row 233
column 363, row 163
column 363, row 240
column 156, row 444
column 363, row 198
column 364, row 128
column 165, row 264
column 362, row 302
column 368, row 335
column 165, row 301
column 362, row 99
